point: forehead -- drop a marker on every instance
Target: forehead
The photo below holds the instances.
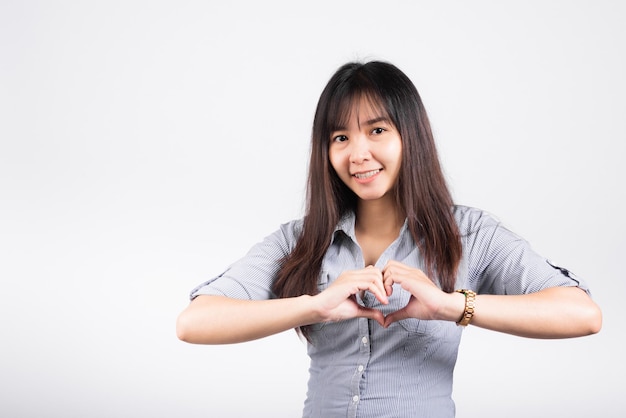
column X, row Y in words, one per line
column 358, row 109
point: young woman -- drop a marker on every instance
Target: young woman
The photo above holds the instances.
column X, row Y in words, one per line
column 383, row 271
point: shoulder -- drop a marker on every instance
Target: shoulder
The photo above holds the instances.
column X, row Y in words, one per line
column 292, row 229
column 277, row 244
column 480, row 229
column 483, row 235
column 471, row 220
column 287, row 234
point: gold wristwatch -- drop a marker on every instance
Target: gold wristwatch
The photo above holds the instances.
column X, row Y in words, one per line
column 470, row 301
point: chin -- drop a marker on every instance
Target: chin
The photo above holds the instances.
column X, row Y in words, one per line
column 370, row 197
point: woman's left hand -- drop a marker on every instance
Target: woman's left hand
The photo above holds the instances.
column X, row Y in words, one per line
column 555, row 312
column 427, row 301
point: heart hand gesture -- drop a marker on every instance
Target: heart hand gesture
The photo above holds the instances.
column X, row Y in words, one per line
column 338, row 301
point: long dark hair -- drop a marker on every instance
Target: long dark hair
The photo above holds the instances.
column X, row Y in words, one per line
column 421, row 191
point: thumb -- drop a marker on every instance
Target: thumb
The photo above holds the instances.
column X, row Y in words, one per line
column 372, row 313
column 396, row 316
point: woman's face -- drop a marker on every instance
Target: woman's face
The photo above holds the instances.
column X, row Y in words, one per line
column 366, row 154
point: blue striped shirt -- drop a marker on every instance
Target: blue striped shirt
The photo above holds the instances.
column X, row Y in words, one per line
column 358, row 368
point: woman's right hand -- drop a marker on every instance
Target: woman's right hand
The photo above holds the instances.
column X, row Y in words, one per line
column 338, row 302
column 223, row 320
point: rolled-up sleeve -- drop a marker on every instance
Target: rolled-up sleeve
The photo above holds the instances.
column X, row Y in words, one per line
column 252, row 276
column 503, row 263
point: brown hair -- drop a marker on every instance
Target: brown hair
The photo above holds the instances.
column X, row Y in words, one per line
column 421, row 191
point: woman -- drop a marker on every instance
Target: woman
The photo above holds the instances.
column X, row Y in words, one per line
column 383, row 271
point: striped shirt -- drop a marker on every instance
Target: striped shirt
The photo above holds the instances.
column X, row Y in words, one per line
column 358, row 368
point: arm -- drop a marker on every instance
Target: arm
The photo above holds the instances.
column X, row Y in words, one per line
column 223, row 320
column 555, row 312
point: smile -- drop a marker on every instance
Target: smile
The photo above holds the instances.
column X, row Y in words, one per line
column 367, row 174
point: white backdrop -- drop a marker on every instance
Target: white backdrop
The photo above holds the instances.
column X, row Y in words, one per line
column 145, row 145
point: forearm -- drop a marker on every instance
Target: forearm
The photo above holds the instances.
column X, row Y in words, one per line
column 560, row 312
column 222, row 320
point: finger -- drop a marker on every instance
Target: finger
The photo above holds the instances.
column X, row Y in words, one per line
column 390, row 276
column 388, row 285
column 379, row 290
column 388, row 280
column 375, row 285
column 396, row 316
column 373, row 314
column 391, row 263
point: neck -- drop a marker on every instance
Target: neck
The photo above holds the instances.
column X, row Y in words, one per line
column 379, row 217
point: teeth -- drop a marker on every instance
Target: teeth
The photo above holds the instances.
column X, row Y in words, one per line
column 367, row 174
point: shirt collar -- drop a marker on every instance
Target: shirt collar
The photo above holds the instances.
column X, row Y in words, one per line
column 345, row 225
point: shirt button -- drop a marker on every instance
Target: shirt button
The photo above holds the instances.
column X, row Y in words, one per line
column 360, row 368
column 364, row 340
column 355, row 398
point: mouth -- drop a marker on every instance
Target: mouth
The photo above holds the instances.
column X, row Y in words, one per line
column 367, row 174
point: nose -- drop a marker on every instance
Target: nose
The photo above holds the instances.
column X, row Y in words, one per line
column 359, row 150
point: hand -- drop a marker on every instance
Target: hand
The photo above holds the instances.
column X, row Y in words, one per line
column 427, row 300
column 338, row 301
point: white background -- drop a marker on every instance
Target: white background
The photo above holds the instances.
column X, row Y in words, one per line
column 145, row 145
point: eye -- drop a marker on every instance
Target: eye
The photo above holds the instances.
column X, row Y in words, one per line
column 378, row 131
column 340, row 138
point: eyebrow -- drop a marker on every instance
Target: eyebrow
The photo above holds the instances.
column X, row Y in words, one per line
column 376, row 120
column 366, row 123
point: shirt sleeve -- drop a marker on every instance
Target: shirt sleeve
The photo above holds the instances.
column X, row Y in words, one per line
column 252, row 276
column 501, row 262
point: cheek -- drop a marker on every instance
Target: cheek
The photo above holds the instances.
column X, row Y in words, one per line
column 392, row 153
column 335, row 160
column 396, row 151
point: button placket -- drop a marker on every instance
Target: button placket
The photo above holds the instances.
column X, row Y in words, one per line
column 363, row 341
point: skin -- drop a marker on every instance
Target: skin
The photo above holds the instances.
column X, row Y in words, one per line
column 366, row 155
